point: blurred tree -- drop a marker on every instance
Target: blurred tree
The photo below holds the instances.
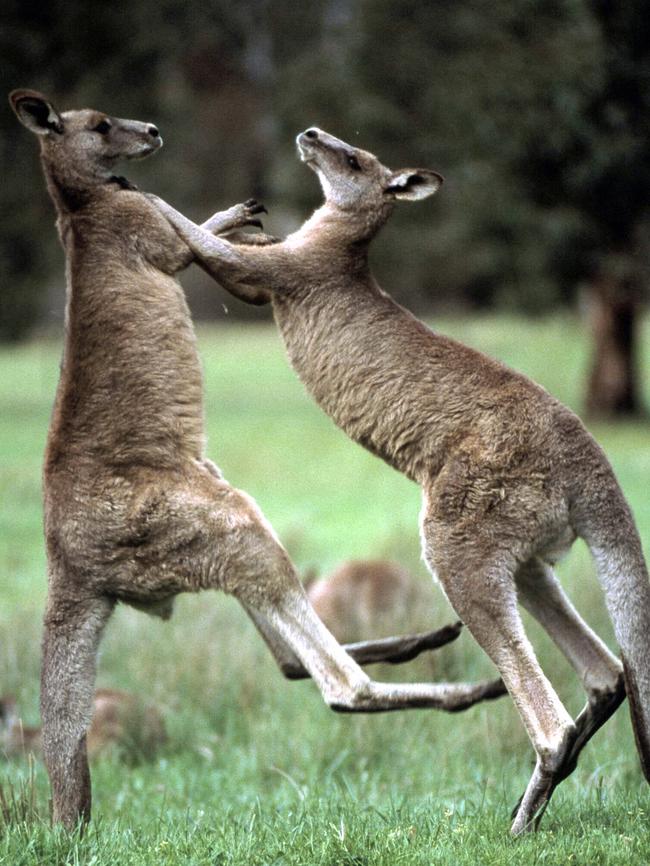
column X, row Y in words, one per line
column 602, row 170
column 75, row 52
column 590, row 159
column 468, row 85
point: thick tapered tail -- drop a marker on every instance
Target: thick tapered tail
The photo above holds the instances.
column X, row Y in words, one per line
column 623, row 574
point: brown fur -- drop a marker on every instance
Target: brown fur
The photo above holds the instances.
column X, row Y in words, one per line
column 134, row 512
column 509, row 475
column 119, row 720
column 370, row 597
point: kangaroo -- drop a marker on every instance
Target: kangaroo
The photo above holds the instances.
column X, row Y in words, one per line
column 118, row 719
column 134, row 511
column 510, row 477
column 368, row 597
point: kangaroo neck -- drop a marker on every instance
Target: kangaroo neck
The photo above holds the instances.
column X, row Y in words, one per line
column 72, row 189
column 342, row 236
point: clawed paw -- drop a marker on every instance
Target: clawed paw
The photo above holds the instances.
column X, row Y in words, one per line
column 251, row 208
column 254, row 206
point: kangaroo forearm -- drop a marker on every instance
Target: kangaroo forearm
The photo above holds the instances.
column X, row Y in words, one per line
column 166, row 250
column 184, row 260
column 222, row 221
column 391, row 650
column 237, row 269
column 256, row 295
column 181, row 256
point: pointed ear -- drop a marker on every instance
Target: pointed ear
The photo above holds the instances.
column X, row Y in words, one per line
column 412, row 184
column 36, row 112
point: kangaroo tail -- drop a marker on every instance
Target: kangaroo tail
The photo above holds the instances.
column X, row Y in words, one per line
column 612, row 537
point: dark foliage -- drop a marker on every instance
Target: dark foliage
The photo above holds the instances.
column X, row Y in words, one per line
column 535, row 112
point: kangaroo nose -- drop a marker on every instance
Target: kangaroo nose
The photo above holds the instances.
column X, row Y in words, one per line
column 153, row 131
column 311, row 133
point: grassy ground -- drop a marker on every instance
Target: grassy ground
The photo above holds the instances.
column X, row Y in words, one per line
column 257, row 770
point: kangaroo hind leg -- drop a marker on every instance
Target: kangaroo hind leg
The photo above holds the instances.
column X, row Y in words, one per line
column 481, row 588
column 302, row 645
column 390, row 650
column 600, row 672
column 71, row 635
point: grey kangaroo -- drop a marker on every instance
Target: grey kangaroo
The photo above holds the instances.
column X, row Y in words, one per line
column 134, row 512
column 509, row 476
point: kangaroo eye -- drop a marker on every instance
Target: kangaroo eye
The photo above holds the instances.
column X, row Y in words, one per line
column 102, row 127
column 353, row 162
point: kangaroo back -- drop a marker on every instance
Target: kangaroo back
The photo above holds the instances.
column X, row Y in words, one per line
column 364, row 598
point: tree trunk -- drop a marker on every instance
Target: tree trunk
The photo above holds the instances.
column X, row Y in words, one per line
column 612, row 390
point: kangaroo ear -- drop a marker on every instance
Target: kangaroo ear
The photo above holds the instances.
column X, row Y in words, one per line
column 412, row 184
column 36, row 112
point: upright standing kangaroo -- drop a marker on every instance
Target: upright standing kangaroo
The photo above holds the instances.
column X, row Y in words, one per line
column 509, row 476
column 133, row 510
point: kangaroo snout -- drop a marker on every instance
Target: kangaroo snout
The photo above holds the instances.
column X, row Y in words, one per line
column 129, row 139
column 155, row 139
column 151, row 140
column 306, row 141
column 319, row 138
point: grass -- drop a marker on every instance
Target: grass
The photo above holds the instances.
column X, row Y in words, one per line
column 257, row 770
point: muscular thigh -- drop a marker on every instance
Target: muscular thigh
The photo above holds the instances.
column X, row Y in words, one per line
column 473, row 515
column 165, row 534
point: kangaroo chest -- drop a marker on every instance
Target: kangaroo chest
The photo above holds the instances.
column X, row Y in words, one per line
column 131, row 383
column 348, row 358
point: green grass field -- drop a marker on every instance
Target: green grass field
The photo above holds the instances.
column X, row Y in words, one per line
column 258, row 770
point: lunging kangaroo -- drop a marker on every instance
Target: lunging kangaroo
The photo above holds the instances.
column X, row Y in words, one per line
column 509, row 476
column 134, row 512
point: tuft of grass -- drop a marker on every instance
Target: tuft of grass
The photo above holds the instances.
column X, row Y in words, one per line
column 18, row 801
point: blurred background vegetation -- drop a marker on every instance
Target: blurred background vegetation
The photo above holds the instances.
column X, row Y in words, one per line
column 536, row 111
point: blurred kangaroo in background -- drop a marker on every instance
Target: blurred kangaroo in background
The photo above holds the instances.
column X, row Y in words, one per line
column 119, row 720
column 134, row 512
column 366, row 597
column 509, row 476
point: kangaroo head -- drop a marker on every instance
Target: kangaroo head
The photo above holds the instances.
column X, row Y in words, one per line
column 80, row 148
column 354, row 180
